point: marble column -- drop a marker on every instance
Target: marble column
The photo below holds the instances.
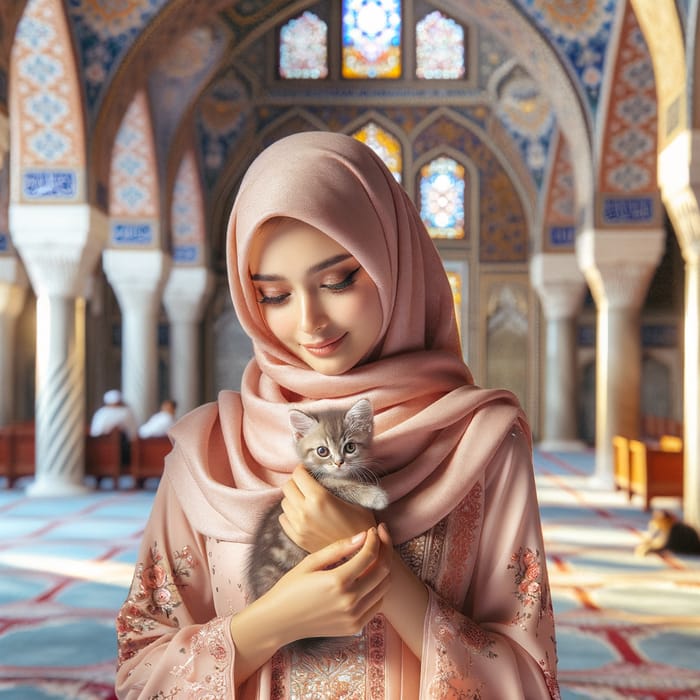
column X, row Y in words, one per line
column 186, row 293
column 679, row 179
column 13, row 291
column 137, row 278
column 561, row 288
column 59, row 245
column 618, row 266
column 4, row 137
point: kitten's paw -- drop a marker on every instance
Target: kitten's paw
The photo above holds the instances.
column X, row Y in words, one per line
column 379, row 500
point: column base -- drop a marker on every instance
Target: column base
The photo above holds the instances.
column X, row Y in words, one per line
column 43, row 487
column 562, row 446
column 600, row 482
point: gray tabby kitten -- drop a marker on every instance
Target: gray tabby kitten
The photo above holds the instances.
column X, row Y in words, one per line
column 334, row 446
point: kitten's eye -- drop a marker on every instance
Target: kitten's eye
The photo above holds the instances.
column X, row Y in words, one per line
column 350, row 448
column 322, row 451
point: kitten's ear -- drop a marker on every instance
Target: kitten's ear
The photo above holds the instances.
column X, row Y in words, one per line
column 360, row 415
column 301, row 423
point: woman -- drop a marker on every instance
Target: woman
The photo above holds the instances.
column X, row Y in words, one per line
column 338, row 284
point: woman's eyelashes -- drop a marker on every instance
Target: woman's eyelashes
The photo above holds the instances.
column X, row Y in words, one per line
column 344, row 283
column 275, row 297
column 272, row 299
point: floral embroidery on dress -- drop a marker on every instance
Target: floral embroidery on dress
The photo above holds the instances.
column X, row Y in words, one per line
column 153, row 591
column 211, row 640
column 462, row 531
column 528, row 577
column 450, row 679
column 341, row 676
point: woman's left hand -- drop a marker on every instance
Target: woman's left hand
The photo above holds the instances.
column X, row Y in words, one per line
column 313, row 517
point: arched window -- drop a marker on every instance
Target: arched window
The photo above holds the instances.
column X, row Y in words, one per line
column 442, row 198
column 304, row 48
column 439, row 48
column 371, row 38
column 384, row 145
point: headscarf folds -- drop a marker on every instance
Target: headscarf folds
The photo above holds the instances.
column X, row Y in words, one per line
column 435, row 431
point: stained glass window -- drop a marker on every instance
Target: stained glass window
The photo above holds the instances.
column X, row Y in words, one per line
column 304, row 48
column 439, row 48
column 384, row 145
column 442, row 198
column 371, row 38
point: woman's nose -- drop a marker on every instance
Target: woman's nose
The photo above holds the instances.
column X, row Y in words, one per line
column 312, row 314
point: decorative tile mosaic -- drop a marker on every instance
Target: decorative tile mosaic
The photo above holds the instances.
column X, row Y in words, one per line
column 187, row 213
column 560, row 207
column 177, row 79
column 105, row 31
column 528, row 117
column 580, row 30
column 223, row 116
column 628, row 154
column 133, row 176
column 51, row 143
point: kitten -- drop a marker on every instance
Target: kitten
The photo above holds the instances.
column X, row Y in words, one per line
column 334, row 446
column 667, row 532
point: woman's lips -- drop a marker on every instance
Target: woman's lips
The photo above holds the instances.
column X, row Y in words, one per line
column 326, row 347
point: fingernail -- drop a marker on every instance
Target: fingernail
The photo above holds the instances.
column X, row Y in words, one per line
column 358, row 537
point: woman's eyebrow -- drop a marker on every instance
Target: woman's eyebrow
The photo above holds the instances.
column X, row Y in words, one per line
column 312, row 270
column 329, row 263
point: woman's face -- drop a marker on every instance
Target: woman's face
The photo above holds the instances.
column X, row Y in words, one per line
column 315, row 297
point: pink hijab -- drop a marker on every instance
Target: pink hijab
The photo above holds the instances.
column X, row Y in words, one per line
column 435, row 431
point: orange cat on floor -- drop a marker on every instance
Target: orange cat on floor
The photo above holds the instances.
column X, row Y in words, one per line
column 667, row 532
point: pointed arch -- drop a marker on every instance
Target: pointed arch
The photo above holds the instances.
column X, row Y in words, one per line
column 503, row 217
column 559, row 211
column 48, row 145
column 663, row 33
column 134, row 206
column 187, row 217
column 627, row 162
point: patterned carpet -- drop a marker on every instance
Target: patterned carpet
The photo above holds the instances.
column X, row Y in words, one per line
column 628, row 627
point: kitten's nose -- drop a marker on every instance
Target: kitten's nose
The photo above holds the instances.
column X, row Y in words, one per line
column 339, row 464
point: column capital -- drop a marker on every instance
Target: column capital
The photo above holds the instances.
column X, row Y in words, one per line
column 559, row 283
column 186, row 293
column 137, row 276
column 59, row 244
column 619, row 264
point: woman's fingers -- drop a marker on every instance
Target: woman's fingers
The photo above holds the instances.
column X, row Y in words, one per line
column 333, row 553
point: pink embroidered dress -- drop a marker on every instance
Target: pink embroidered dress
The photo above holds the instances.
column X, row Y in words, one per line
column 455, row 460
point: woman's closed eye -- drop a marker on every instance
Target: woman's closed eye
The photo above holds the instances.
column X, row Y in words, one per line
column 346, row 282
column 272, row 298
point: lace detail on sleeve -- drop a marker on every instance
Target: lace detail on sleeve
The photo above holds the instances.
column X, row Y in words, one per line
column 210, row 641
column 456, row 638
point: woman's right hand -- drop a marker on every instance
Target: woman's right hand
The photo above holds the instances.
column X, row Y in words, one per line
column 321, row 597
column 318, row 598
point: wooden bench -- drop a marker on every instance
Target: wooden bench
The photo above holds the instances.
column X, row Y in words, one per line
column 6, row 454
column 103, row 456
column 148, row 457
column 621, row 462
column 23, row 450
column 655, row 470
